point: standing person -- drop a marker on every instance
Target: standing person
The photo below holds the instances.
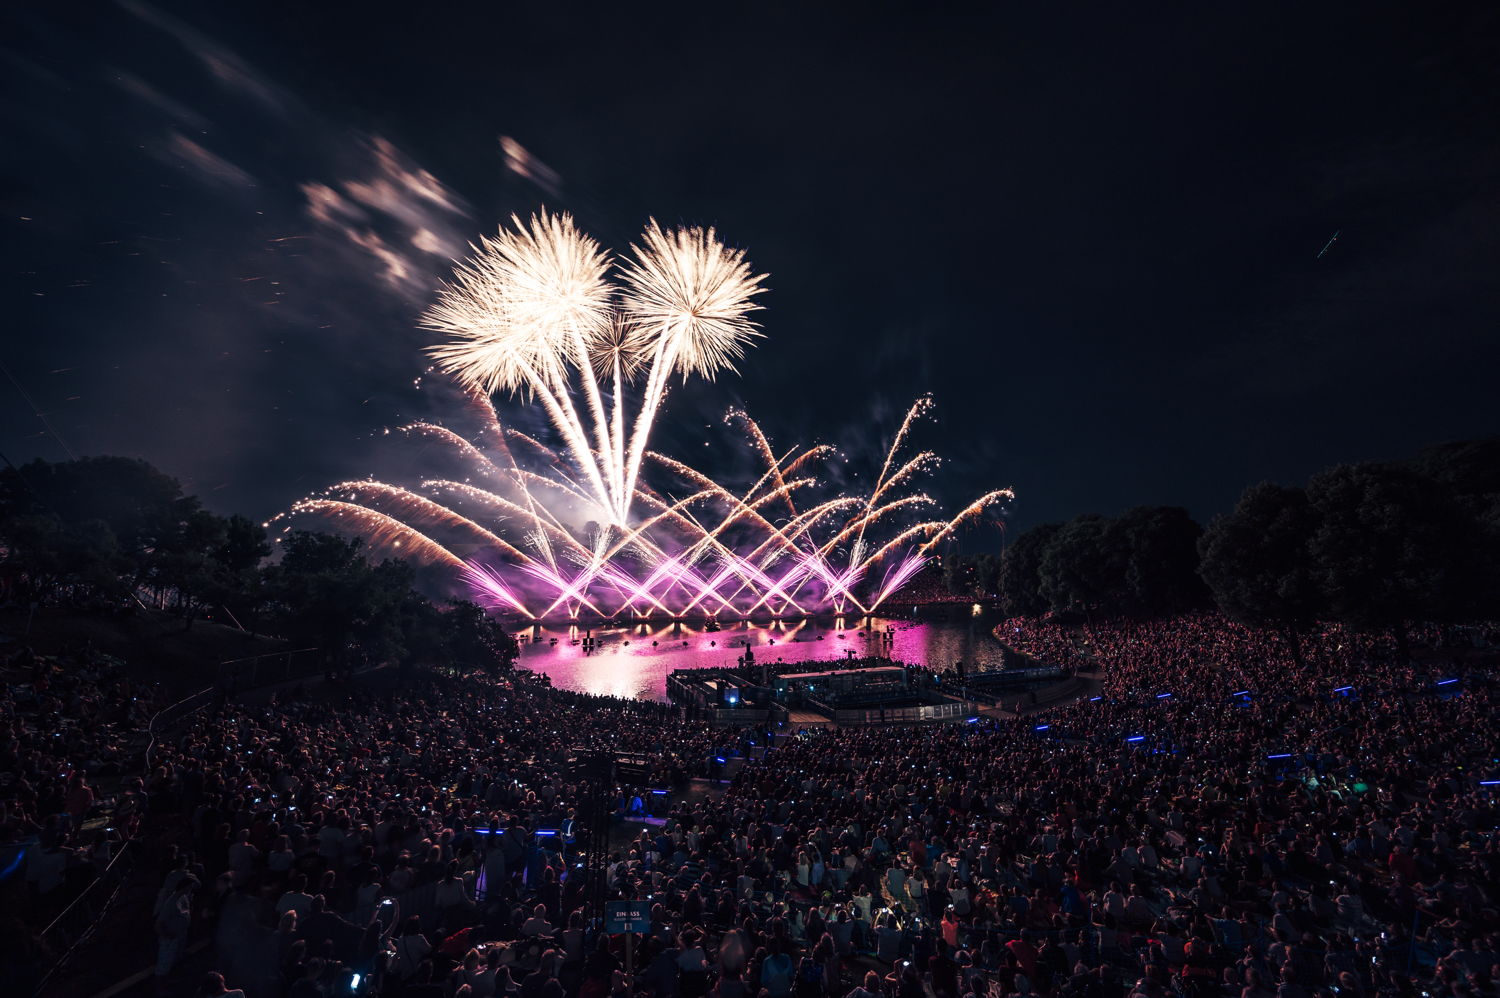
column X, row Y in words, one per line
column 243, row 857
column 693, row 964
column 888, row 940
column 80, row 799
column 949, row 927
column 870, row 989
column 412, row 949
column 174, row 917
column 777, row 974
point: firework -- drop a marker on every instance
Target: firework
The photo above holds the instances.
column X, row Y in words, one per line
column 541, row 311
column 713, row 552
column 533, row 313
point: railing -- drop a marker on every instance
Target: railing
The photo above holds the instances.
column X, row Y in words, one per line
column 1007, row 676
column 889, row 715
column 240, row 674
column 774, row 714
column 83, row 914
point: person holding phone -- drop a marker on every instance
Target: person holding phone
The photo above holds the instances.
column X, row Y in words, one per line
column 411, row 952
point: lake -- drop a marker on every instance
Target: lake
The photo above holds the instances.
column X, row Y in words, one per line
column 634, row 661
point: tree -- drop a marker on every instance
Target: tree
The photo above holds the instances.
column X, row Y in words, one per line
column 1258, row 565
column 235, row 564
column 1393, row 546
column 986, row 575
column 1470, row 469
column 183, row 568
column 976, row 575
column 1020, row 582
column 955, row 576
column 43, row 555
column 158, row 535
column 324, row 593
column 476, row 638
column 1083, row 568
column 1161, row 561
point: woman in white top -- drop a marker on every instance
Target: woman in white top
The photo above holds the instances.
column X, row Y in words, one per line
column 916, row 887
column 495, row 978
column 412, row 948
column 862, row 902
column 451, row 891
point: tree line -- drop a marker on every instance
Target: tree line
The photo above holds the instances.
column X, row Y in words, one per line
column 1375, row 545
column 116, row 533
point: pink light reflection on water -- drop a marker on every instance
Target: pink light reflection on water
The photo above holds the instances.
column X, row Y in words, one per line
column 639, row 669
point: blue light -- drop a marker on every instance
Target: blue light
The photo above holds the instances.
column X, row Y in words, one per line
column 1445, row 682
column 1241, row 693
column 1136, row 738
column 1342, row 689
column 659, row 793
column 1043, row 727
column 1162, row 696
column 719, row 759
column 1488, row 783
column 14, row 864
column 1280, row 755
column 1092, row 699
column 972, row 720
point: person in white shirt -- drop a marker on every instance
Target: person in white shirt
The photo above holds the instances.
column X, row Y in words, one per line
column 537, row 924
column 296, row 898
column 411, row 949
column 452, row 894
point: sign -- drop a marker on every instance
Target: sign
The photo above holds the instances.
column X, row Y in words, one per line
column 627, row 916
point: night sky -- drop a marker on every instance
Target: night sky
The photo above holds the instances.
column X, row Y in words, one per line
column 1091, row 231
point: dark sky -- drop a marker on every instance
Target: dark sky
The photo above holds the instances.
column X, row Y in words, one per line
column 1092, row 231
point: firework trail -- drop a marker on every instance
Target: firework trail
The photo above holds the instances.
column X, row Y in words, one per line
column 542, row 312
column 381, row 530
column 752, row 562
column 532, row 313
column 967, row 513
column 764, row 447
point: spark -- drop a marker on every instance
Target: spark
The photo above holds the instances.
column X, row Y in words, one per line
column 713, row 550
column 570, row 522
column 381, row 530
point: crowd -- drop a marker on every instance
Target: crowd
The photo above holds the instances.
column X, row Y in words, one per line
column 72, row 737
column 337, row 841
column 1218, row 822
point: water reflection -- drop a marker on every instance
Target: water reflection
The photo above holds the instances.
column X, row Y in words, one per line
column 634, row 660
